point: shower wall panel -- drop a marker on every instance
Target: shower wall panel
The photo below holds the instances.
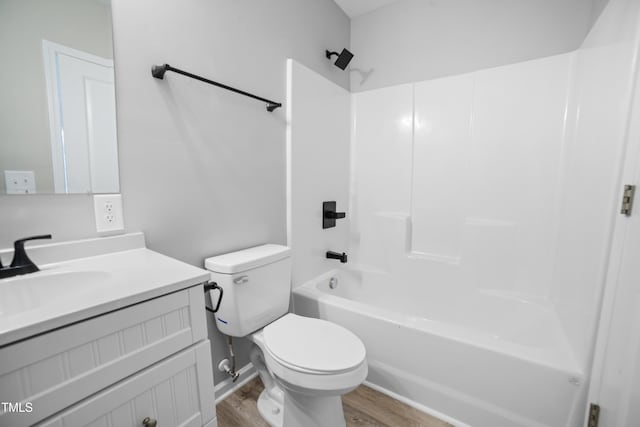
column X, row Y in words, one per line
column 317, row 168
column 468, row 169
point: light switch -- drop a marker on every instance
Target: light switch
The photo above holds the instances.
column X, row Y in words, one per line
column 20, row 182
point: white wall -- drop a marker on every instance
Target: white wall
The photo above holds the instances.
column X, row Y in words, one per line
column 24, row 116
column 263, row 35
column 202, row 170
column 318, row 147
column 414, row 40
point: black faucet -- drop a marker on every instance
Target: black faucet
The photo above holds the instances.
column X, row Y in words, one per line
column 336, row 255
column 21, row 263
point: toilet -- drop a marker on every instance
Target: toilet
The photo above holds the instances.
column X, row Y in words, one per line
column 306, row 364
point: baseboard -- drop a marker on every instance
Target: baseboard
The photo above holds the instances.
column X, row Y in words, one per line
column 416, row 405
column 224, row 388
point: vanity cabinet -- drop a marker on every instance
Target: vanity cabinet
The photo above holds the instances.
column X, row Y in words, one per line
column 151, row 359
column 168, row 393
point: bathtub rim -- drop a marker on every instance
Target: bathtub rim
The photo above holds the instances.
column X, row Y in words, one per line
column 309, row 290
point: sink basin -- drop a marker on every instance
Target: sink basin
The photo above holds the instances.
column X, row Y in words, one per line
column 33, row 291
column 86, row 278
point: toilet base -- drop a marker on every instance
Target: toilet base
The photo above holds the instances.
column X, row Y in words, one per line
column 270, row 409
column 312, row 411
column 284, row 405
column 301, row 411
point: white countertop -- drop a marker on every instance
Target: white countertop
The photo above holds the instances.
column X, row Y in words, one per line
column 118, row 271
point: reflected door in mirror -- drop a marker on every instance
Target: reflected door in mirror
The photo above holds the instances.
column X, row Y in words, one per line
column 83, row 120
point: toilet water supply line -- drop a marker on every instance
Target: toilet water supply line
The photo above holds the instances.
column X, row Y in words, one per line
column 231, row 370
column 224, row 365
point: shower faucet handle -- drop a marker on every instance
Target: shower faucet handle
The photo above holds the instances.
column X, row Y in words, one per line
column 335, row 215
column 329, row 214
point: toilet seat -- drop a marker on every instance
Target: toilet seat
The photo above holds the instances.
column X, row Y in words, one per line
column 294, row 371
column 311, row 345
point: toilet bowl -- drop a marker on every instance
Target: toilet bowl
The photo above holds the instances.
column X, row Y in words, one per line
column 306, row 364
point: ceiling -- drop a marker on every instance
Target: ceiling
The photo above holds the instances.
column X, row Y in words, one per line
column 355, row 8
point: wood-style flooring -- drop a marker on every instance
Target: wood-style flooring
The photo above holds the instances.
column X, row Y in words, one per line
column 362, row 407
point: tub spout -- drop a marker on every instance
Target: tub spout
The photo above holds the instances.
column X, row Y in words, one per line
column 335, row 255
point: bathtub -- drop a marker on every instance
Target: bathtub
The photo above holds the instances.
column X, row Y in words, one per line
column 485, row 359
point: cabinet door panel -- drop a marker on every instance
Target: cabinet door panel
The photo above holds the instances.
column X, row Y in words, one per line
column 168, row 392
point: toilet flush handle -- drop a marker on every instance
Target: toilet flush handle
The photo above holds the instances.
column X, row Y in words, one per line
column 241, row 280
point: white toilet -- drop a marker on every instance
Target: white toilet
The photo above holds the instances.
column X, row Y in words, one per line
column 306, row 364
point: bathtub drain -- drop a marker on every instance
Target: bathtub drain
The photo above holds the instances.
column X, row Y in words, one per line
column 333, row 282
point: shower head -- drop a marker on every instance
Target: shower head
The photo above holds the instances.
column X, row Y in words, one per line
column 343, row 60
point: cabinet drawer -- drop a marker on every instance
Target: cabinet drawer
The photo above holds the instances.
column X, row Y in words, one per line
column 59, row 368
column 175, row 392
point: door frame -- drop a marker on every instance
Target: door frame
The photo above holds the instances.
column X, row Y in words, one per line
column 50, row 52
column 630, row 174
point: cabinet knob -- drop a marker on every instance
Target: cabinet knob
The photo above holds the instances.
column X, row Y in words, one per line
column 149, row 422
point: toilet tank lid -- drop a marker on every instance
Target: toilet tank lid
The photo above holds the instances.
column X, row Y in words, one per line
column 246, row 259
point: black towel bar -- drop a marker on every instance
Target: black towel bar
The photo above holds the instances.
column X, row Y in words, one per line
column 158, row 72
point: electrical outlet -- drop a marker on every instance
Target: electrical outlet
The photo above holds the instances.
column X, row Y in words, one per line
column 108, row 211
column 20, row 182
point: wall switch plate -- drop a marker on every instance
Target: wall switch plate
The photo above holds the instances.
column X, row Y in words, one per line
column 20, row 182
column 108, row 211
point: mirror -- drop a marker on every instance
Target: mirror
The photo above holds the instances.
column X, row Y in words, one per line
column 57, row 97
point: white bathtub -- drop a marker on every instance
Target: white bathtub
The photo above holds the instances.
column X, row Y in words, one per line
column 485, row 360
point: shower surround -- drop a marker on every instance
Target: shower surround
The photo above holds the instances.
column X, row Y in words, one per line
column 479, row 225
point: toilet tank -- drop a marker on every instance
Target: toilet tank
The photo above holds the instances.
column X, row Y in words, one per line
column 256, row 283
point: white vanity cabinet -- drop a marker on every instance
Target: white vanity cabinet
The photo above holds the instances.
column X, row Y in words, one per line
column 151, row 359
column 141, row 357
